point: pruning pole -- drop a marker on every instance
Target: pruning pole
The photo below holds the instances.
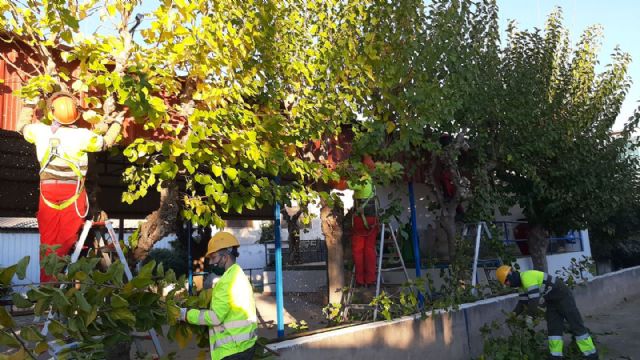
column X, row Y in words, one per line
column 414, row 239
column 278, row 258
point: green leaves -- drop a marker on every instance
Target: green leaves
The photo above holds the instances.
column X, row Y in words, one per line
column 5, row 319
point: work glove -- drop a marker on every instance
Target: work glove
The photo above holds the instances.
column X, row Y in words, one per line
column 529, row 321
column 183, row 314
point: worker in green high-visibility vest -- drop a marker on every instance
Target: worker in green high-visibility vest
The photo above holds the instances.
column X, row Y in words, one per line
column 231, row 319
column 536, row 286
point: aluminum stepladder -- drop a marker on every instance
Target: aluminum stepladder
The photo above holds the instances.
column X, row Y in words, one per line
column 481, row 228
column 384, row 240
column 111, row 240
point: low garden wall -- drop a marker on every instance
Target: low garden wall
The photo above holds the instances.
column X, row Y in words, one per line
column 453, row 335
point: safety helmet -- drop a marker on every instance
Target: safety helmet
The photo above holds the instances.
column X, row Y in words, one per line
column 221, row 240
column 502, row 273
column 64, row 107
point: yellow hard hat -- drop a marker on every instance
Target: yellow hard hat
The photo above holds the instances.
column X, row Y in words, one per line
column 502, row 273
column 221, row 240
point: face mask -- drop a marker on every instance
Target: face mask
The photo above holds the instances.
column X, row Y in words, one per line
column 218, row 269
column 514, row 279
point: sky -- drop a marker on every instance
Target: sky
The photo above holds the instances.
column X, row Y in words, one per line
column 619, row 19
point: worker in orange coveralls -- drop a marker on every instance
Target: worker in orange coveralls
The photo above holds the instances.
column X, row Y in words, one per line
column 62, row 150
column 365, row 229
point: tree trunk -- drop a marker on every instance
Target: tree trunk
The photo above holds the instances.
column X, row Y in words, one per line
column 92, row 188
column 294, row 236
column 538, row 244
column 332, row 229
column 448, row 224
column 160, row 223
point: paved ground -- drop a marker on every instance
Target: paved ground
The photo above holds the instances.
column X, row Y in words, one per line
column 618, row 331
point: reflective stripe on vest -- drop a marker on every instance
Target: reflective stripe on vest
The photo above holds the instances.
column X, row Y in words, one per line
column 234, row 325
column 234, row 338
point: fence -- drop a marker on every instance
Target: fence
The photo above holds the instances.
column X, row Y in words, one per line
column 311, row 251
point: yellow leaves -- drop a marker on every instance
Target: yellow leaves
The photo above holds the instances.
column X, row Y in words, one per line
column 111, row 9
column 291, row 150
column 183, row 336
column 253, row 153
column 216, row 169
column 391, row 126
column 157, row 104
column 231, row 173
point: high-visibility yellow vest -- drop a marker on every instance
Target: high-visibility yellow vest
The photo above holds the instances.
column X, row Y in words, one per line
column 232, row 319
column 63, row 155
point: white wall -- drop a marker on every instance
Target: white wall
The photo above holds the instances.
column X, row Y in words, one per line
column 15, row 246
column 556, row 262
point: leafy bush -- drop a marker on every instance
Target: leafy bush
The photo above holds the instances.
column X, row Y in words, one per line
column 175, row 259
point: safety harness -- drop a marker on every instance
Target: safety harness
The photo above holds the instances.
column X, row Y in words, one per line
column 361, row 204
column 49, row 155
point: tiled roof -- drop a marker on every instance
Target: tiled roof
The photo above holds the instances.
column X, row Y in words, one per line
column 18, row 223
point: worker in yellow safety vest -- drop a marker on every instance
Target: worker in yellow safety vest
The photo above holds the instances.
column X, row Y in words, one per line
column 536, row 287
column 232, row 319
column 61, row 149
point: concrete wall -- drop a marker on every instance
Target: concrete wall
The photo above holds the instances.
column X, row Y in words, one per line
column 454, row 335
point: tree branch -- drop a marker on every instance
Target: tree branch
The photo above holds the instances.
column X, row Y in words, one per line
column 24, row 346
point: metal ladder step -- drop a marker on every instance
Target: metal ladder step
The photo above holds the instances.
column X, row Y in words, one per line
column 392, row 269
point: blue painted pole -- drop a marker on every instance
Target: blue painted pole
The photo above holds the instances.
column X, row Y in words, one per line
column 190, row 264
column 414, row 238
column 278, row 256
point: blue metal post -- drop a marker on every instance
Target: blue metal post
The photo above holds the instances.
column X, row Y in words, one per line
column 190, row 264
column 278, row 258
column 414, row 237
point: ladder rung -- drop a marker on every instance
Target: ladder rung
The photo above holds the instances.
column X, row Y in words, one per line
column 107, row 249
column 359, row 306
column 392, row 269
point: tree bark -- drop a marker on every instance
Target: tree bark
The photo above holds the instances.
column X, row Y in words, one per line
column 294, row 235
column 92, row 188
column 332, row 218
column 538, row 244
column 448, row 224
column 160, row 223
